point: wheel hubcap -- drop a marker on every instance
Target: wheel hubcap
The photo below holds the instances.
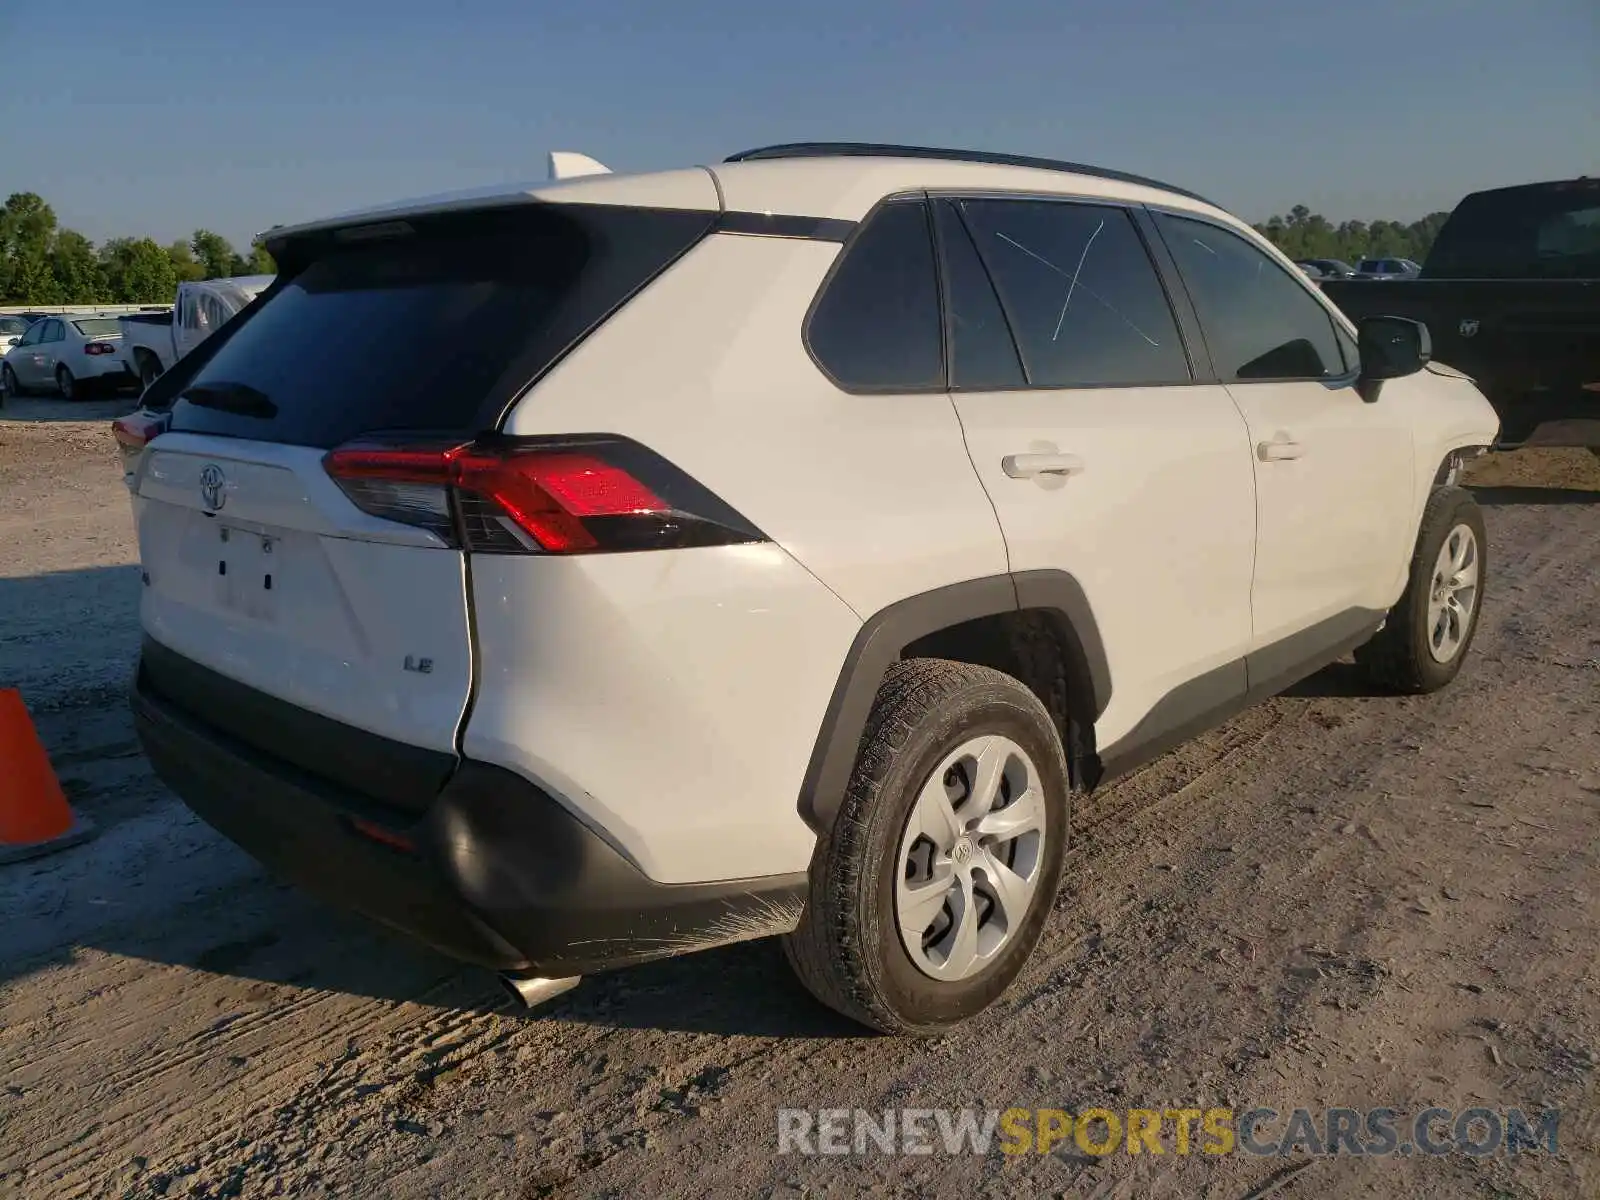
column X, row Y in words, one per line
column 970, row 858
column 1453, row 594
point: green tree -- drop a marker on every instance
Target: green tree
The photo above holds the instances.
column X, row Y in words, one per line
column 214, row 253
column 27, row 230
column 76, row 268
column 138, row 272
column 261, row 262
column 184, row 267
column 1305, row 234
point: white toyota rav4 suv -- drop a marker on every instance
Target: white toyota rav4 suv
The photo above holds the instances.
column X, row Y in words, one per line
column 773, row 547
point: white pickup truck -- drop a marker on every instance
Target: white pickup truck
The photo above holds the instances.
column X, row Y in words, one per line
column 152, row 342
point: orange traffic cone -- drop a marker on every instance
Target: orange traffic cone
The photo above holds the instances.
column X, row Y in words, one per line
column 35, row 817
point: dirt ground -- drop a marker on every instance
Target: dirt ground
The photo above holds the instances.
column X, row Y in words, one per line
column 1337, row 899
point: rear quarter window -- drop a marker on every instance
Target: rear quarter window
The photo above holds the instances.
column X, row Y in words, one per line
column 876, row 325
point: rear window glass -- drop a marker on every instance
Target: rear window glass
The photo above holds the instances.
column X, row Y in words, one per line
column 98, row 327
column 436, row 328
column 1541, row 232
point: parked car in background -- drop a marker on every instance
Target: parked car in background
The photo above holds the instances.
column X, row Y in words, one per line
column 1325, row 268
column 11, row 331
column 1386, row 268
column 67, row 355
column 1511, row 295
column 553, row 649
column 153, row 341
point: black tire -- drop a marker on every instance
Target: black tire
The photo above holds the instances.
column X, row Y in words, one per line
column 9, row 387
column 847, row 950
column 1399, row 657
column 67, row 383
column 149, row 370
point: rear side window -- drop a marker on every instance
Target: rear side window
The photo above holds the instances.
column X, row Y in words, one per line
column 875, row 328
column 1081, row 293
column 1259, row 321
column 983, row 356
column 1539, row 232
column 436, row 327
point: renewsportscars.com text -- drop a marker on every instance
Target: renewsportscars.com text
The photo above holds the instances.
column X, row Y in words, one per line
column 1265, row 1132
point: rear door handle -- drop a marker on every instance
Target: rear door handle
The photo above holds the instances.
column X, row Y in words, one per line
column 1279, row 449
column 1027, row 466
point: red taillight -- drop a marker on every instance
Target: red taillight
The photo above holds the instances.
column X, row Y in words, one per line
column 99, row 348
column 136, row 430
column 568, row 497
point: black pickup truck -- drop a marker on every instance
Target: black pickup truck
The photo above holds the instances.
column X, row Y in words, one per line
column 1510, row 293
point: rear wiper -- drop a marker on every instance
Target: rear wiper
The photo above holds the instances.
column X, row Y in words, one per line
column 238, row 398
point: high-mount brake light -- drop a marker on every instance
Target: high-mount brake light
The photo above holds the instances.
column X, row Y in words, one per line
column 569, row 496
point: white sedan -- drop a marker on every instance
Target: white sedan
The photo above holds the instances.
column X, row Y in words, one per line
column 67, row 355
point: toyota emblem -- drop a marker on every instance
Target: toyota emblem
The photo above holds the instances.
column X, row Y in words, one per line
column 213, row 487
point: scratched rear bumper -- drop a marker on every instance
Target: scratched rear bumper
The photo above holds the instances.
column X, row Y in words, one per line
column 495, row 871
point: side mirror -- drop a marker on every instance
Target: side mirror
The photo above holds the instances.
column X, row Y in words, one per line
column 1392, row 347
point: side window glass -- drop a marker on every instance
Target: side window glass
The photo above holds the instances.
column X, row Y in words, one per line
column 54, row 331
column 31, row 338
column 876, row 326
column 1259, row 322
column 1082, row 295
column 1570, row 235
column 982, row 355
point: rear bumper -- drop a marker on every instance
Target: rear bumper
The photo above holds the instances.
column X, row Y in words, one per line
column 106, row 367
column 494, row 872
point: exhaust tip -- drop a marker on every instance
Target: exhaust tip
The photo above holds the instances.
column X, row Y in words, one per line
column 532, row 990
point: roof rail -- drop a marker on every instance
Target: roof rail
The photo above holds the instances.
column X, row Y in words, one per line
column 877, row 150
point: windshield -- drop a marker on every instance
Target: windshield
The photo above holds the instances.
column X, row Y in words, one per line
column 13, row 325
column 98, row 327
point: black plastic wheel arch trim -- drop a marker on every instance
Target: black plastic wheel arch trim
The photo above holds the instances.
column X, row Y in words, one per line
column 882, row 639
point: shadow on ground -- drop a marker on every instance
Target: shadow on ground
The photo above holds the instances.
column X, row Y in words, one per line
column 53, row 408
column 1498, row 497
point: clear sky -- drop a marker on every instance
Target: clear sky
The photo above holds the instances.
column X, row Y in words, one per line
column 159, row 116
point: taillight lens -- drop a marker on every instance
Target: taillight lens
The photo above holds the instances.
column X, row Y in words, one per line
column 537, row 496
column 133, row 433
column 99, row 348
